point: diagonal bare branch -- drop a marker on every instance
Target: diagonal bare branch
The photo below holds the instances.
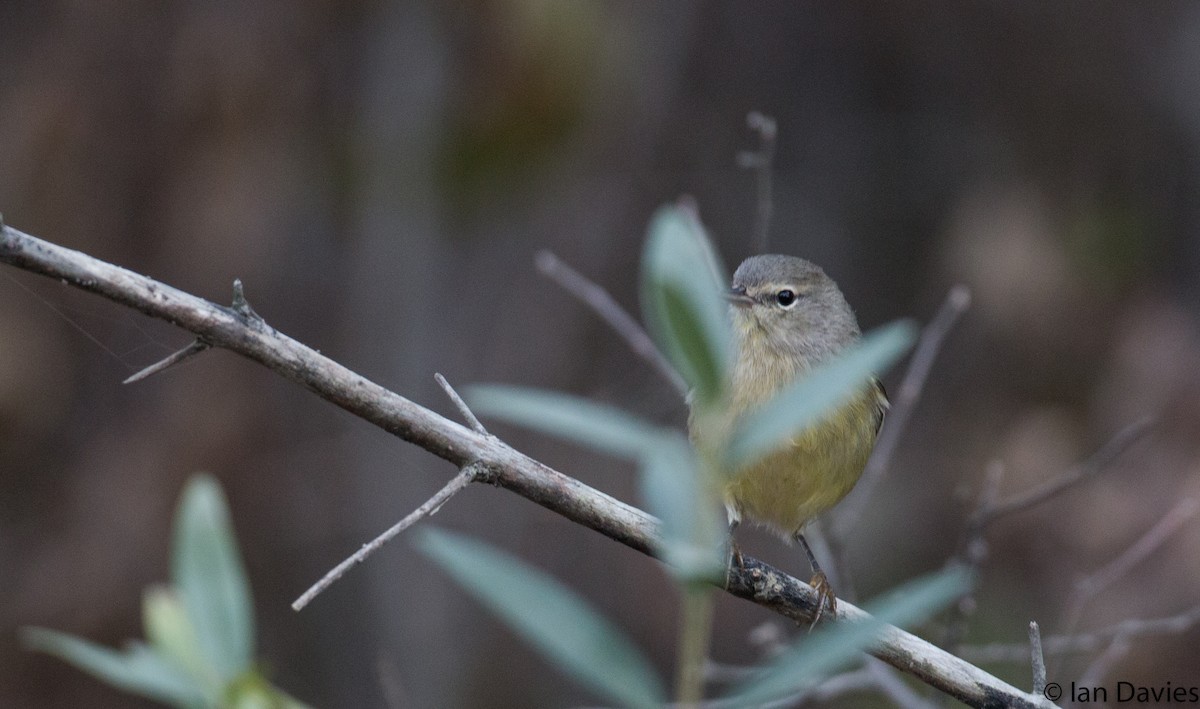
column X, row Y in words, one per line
column 500, row 464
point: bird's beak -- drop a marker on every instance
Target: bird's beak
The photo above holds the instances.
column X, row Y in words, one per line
column 737, row 296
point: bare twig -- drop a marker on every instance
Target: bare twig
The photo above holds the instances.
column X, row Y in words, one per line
column 849, row 513
column 860, row 680
column 1056, row 645
column 873, row 676
column 1037, row 659
column 894, row 688
column 603, row 304
column 464, row 478
column 467, row 414
column 762, row 162
column 1099, row 462
column 1104, row 662
column 691, row 209
column 196, row 347
column 972, row 553
column 394, row 696
column 1091, row 585
column 500, row 464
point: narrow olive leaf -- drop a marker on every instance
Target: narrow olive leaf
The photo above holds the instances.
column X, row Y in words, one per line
column 693, row 532
column 551, row 617
column 818, row 393
column 138, row 670
column 601, row 427
column 210, row 579
column 826, row 651
column 682, row 301
column 171, row 634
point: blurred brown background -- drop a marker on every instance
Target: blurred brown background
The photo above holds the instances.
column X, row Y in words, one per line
column 381, row 175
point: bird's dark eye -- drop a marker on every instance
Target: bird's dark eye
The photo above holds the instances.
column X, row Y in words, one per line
column 785, row 297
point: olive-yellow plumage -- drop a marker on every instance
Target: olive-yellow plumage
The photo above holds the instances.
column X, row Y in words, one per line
column 789, row 317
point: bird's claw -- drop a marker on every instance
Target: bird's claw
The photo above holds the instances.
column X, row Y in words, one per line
column 825, row 595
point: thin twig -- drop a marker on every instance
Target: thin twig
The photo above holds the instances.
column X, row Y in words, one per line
column 1091, row 585
column 1099, row 462
column 196, row 347
column 691, row 209
column 849, row 513
column 762, row 162
column 1099, row 668
column 607, row 308
column 973, row 551
column 464, row 478
column 467, row 414
column 1037, row 659
column 502, row 465
column 1056, row 645
column 394, row 696
column 894, row 688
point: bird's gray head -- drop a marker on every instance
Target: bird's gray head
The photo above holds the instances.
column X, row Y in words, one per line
column 788, row 307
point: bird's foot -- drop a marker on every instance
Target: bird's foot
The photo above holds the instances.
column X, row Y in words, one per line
column 825, row 596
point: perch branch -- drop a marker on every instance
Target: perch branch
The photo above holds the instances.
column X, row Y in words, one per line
column 499, row 464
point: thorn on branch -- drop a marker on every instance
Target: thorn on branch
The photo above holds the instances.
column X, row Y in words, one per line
column 1037, row 659
column 241, row 306
column 462, row 405
column 430, row 507
column 196, row 347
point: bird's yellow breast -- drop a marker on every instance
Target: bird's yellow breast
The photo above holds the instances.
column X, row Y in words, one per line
column 786, row 489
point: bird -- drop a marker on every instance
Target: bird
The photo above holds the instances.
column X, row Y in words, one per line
column 788, row 317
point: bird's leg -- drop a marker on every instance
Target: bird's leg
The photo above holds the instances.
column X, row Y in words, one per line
column 735, row 554
column 819, row 583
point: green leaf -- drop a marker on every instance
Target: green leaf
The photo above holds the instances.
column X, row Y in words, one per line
column 208, row 574
column 693, row 531
column 813, row 396
column 601, row 427
column 551, row 617
column 827, row 650
column 138, row 670
column 693, row 528
column 171, row 634
column 682, row 303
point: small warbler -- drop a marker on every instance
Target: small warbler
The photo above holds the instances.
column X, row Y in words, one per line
column 788, row 317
